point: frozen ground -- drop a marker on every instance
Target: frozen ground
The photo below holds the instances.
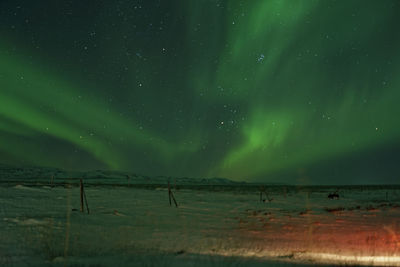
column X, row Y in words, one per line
column 130, row 226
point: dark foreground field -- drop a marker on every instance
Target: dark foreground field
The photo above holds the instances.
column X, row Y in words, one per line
column 136, row 226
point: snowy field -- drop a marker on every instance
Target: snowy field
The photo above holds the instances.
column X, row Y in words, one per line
column 131, row 226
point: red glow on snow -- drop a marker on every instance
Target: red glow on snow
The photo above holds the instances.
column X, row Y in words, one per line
column 364, row 237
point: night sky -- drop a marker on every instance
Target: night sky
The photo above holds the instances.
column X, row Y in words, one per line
column 292, row 91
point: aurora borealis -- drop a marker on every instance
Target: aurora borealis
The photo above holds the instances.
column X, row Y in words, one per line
column 272, row 91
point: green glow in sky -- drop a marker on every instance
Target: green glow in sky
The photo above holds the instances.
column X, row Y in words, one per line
column 273, row 91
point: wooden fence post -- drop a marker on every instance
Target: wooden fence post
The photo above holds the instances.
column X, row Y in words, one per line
column 171, row 195
column 81, row 186
column 83, row 196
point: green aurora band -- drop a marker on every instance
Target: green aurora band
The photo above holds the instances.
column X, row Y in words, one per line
column 251, row 90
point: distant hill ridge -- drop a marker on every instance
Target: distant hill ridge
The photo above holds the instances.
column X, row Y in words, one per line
column 45, row 174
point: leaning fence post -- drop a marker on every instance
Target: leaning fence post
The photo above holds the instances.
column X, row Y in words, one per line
column 83, row 196
column 81, row 186
column 171, row 195
column 176, row 204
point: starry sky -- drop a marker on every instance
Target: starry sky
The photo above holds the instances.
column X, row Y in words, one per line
column 295, row 91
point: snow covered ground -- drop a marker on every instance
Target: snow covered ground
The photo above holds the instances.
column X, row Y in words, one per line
column 130, row 226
